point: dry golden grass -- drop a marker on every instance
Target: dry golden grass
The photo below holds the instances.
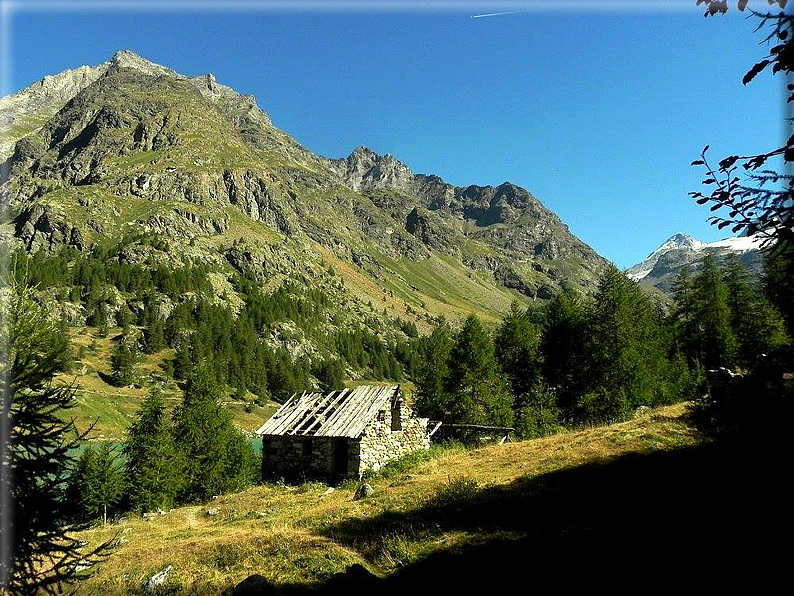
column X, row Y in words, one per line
column 290, row 533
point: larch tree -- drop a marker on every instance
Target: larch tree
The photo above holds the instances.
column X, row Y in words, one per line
column 38, row 551
column 97, row 482
column 432, row 400
column 625, row 344
column 153, row 468
column 758, row 326
column 517, row 346
column 217, row 456
column 711, row 341
column 475, row 385
column 562, row 347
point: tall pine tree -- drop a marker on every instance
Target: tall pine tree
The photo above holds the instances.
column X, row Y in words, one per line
column 778, row 281
column 476, row 386
column 625, row 351
column 562, row 347
column 153, row 468
column 705, row 317
column 758, row 327
column 97, row 483
column 517, row 350
column 37, row 435
column 212, row 447
column 432, row 400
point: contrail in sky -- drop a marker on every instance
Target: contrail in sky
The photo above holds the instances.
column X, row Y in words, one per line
column 495, row 14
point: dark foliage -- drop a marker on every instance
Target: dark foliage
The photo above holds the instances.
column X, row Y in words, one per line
column 758, row 400
column 217, row 457
column 39, row 553
column 96, row 483
column 460, row 381
column 606, row 356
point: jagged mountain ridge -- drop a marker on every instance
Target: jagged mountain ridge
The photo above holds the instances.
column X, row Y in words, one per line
column 663, row 265
column 480, row 206
column 140, row 147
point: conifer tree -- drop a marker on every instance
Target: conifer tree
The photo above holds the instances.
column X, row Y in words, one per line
column 96, row 483
column 709, row 338
column 209, row 442
column 122, row 361
column 778, row 282
column 517, row 345
column 538, row 415
column 562, row 347
column 432, row 400
column 758, row 327
column 477, row 389
column 330, row 374
column 683, row 317
column 37, row 435
column 153, row 468
column 625, row 348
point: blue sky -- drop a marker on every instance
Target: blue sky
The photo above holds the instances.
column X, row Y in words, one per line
column 597, row 109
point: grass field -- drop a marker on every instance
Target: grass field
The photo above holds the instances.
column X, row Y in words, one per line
column 649, row 500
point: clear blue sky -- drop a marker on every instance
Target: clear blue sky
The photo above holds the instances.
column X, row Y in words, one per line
column 598, row 112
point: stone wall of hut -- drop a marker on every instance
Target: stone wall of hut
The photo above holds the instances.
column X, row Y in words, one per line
column 392, row 433
column 296, row 458
column 387, row 438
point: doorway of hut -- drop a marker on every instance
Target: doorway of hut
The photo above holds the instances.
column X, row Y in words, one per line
column 340, row 457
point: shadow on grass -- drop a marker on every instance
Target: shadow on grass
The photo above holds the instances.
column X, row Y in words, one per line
column 706, row 517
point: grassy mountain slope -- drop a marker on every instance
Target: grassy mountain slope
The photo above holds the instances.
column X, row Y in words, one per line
column 645, row 501
column 111, row 409
column 142, row 148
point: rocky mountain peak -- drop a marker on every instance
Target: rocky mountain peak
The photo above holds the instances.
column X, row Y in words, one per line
column 662, row 266
column 26, row 111
column 129, row 59
column 364, row 170
column 362, row 152
column 680, row 241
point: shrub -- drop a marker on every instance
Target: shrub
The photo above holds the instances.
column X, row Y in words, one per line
column 601, row 407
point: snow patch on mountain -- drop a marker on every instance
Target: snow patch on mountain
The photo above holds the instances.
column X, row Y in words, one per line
column 685, row 243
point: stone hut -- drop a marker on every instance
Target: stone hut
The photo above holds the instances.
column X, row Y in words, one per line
column 340, row 434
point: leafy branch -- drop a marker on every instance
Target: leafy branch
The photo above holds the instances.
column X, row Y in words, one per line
column 759, row 200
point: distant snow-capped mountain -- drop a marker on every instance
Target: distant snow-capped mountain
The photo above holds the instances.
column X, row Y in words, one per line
column 662, row 266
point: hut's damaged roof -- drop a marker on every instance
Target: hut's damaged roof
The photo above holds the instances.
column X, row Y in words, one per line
column 342, row 413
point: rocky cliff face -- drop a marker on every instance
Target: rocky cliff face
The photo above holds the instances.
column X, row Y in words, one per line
column 506, row 215
column 133, row 146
